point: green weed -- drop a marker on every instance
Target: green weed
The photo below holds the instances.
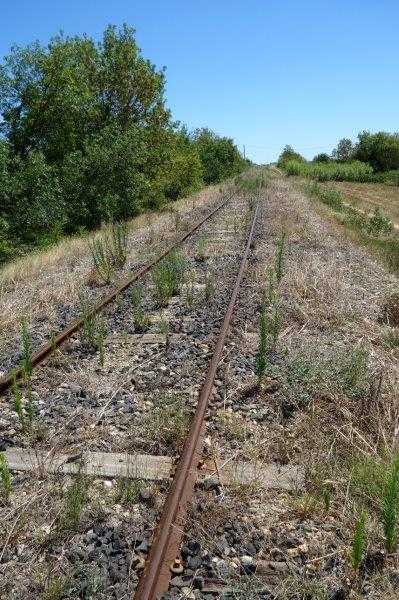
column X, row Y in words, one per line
column 168, row 277
column 94, row 331
column 128, row 491
column 102, row 259
column 5, row 478
column 358, row 542
column 75, row 498
column 26, row 361
column 210, row 287
column 118, row 244
column 389, row 508
column 261, row 356
column 279, row 261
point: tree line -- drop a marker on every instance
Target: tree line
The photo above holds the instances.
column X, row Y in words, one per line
column 86, row 137
column 380, row 150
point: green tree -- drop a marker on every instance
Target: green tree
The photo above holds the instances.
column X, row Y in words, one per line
column 219, row 156
column 344, row 151
column 380, row 149
column 288, row 154
column 322, row 158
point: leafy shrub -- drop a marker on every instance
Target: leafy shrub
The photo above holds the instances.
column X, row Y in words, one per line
column 289, row 155
column 379, row 223
column 380, row 149
column 332, row 171
column 168, row 277
column 219, row 156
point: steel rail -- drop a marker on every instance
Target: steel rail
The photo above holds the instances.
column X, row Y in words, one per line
column 168, row 535
column 47, row 349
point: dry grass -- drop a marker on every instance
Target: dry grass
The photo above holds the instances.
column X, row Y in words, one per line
column 368, row 196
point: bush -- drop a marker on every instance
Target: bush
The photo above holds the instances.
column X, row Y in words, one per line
column 219, row 156
column 287, row 155
column 380, row 149
column 332, row 171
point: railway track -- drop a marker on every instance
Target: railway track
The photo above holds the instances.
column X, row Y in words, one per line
column 165, row 546
column 47, row 349
column 157, row 572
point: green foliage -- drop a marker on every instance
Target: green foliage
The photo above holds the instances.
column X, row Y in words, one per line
column 358, row 542
column 165, row 425
column 219, row 156
column 261, row 356
column 379, row 224
column 109, row 252
column 369, row 227
column 26, row 361
column 75, row 498
column 86, row 138
column 168, row 277
column 128, row 491
column 94, row 330
column 332, row 171
column 140, row 319
column 18, row 403
column 344, row 151
column 102, row 259
column 389, row 507
column 5, row 478
column 288, row 155
column 279, row 260
column 322, row 158
column 380, row 150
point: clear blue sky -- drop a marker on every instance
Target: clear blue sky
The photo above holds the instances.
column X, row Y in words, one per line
column 265, row 72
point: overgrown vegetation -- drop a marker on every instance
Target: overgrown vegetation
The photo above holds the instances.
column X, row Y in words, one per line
column 86, row 138
column 164, row 427
column 168, row 277
column 359, row 542
column 74, row 501
column 374, row 158
column 5, row 478
column 94, row 329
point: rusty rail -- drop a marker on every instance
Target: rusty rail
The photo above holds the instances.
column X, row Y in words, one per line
column 48, row 348
column 169, row 532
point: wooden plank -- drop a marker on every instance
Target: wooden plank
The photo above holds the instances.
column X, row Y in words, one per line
column 266, row 476
column 152, row 468
column 100, row 464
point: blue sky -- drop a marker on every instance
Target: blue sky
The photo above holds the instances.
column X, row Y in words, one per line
column 265, row 73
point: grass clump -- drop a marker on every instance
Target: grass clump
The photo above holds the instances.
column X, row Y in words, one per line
column 94, row 331
column 358, row 542
column 279, row 260
column 168, row 277
column 74, row 501
column 389, row 507
column 210, row 287
column 26, row 361
column 128, row 491
column 390, row 338
column 140, row 319
column 165, row 426
column 263, row 348
column 25, row 410
column 109, row 252
column 102, row 259
column 5, row 478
